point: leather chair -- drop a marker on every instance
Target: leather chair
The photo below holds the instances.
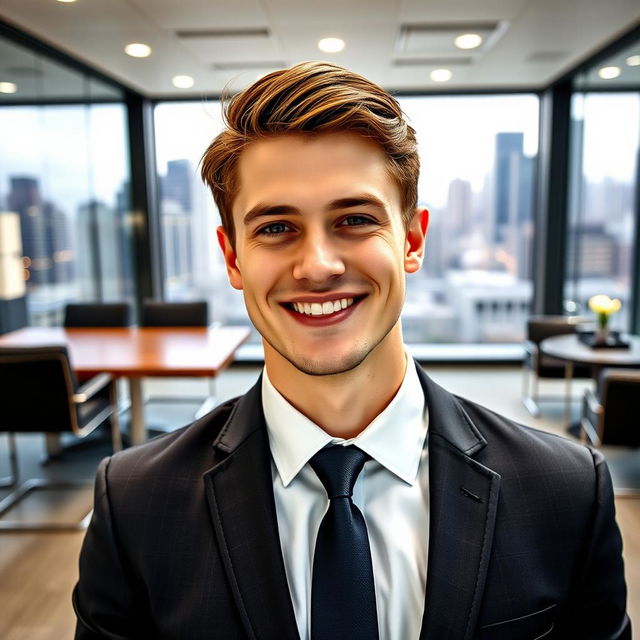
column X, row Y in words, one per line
column 537, row 366
column 39, row 393
column 174, row 314
column 112, row 314
column 178, row 314
column 610, row 412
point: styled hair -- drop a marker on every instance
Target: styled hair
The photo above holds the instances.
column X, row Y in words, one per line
column 311, row 98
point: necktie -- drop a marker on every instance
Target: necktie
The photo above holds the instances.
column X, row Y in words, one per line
column 343, row 601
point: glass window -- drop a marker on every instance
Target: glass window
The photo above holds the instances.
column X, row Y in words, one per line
column 64, row 170
column 605, row 146
column 601, row 205
column 477, row 179
column 478, row 157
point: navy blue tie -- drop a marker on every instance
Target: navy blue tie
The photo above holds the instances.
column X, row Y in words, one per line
column 343, row 599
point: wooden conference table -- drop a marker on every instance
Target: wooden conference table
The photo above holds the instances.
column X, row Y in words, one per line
column 139, row 352
column 570, row 350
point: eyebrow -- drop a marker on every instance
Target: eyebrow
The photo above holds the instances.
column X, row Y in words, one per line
column 261, row 210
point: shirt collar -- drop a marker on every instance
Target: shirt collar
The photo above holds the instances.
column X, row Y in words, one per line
column 395, row 438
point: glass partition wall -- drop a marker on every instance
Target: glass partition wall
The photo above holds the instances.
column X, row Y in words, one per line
column 64, row 170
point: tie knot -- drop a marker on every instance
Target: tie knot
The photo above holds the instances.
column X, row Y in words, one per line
column 338, row 468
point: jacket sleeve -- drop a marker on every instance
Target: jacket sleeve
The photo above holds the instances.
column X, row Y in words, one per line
column 105, row 598
column 598, row 605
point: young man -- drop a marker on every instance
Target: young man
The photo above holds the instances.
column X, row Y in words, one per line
column 316, row 506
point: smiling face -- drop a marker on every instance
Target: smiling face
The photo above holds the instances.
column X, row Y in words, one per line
column 321, row 251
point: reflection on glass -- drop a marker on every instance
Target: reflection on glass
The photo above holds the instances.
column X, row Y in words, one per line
column 606, row 131
column 478, row 158
column 64, row 170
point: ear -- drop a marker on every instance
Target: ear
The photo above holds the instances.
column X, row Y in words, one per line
column 230, row 258
column 414, row 244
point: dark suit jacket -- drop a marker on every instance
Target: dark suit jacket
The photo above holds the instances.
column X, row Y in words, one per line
column 522, row 539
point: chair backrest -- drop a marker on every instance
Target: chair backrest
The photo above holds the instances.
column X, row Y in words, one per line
column 618, row 391
column 112, row 314
column 36, row 393
column 174, row 314
column 541, row 327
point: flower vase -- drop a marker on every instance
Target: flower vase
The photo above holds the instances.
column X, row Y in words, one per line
column 602, row 334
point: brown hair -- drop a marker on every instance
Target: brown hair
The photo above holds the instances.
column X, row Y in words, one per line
column 311, row 97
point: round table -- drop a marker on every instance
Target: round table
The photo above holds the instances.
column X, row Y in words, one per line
column 570, row 350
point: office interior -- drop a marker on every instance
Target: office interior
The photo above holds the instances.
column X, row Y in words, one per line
column 529, row 134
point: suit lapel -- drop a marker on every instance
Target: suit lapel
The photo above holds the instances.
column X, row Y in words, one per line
column 240, row 496
column 463, row 502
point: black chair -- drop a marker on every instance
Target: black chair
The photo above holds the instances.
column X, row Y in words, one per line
column 116, row 314
column 39, row 394
column 178, row 314
column 610, row 412
column 174, row 314
column 537, row 366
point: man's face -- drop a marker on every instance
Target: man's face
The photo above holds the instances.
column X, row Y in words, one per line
column 321, row 249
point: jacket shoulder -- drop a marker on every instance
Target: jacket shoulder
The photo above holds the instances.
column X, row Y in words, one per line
column 510, row 443
column 193, row 442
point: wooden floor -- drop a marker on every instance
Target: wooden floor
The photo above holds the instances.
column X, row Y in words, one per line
column 38, row 571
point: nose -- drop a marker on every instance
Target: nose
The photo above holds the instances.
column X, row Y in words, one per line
column 318, row 259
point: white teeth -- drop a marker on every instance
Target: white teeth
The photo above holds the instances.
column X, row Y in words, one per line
column 322, row 309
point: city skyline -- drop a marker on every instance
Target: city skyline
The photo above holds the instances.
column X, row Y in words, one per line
column 475, row 284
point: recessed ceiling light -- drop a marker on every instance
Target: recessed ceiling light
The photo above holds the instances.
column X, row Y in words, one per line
column 66, row 0
column 608, row 73
column 182, row 82
column 468, row 41
column 633, row 61
column 441, row 75
column 331, row 45
column 138, row 50
column 8, row 87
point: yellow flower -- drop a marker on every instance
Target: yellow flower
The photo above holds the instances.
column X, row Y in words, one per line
column 604, row 304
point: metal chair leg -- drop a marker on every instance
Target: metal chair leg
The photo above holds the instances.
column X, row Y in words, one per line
column 12, row 478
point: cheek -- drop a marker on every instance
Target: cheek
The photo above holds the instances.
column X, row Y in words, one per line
column 382, row 258
column 259, row 277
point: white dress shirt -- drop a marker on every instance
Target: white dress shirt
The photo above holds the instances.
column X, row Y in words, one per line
column 392, row 492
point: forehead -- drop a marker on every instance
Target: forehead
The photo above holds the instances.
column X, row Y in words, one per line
column 305, row 170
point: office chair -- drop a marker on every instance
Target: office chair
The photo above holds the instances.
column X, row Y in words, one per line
column 174, row 314
column 179, row 314
column 537, row 366
column 39, row 393
column 610, row 412
column 116, row 314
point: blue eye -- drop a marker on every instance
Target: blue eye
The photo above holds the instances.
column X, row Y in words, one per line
column 274, row 229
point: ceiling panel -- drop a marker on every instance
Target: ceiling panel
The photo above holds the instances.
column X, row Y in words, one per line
column 203, row 14
column 227, row 49
column 85, row 15
column 460, row 10
column 334, row 13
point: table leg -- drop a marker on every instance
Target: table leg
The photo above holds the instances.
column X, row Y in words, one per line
column 138, row 430
column 568, row 378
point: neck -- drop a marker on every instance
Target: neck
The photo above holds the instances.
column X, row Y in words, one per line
column 343, row 404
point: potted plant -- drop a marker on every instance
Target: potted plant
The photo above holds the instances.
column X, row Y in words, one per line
column 604, row 307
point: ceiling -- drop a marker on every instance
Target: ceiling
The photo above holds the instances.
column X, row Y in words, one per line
column 397, row 43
